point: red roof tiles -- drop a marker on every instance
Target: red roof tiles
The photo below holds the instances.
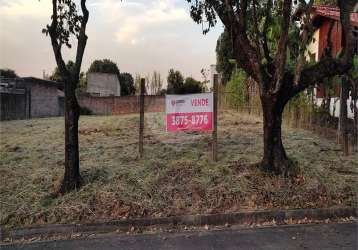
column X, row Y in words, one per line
column 333, row 13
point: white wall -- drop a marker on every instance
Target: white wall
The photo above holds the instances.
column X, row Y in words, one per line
column 103, row 84
column 313, row 47
column 318, row 102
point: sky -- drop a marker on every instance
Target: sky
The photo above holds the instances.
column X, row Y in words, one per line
column 139, row 35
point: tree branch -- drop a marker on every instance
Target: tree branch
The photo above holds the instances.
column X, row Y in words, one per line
column 256, row 30
column 56, row 46
column 82, row 39
column 248, row 58
column 265, row 31
column 281, row 55
column 305, row 37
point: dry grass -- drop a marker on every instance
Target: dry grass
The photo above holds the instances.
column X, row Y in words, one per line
column 175, row 177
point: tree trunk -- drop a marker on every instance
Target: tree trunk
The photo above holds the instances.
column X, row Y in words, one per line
column 72, row 177
column 275, row 159
column 343, row 115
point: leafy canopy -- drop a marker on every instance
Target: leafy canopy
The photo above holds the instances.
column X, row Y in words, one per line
column 223, row 55
column 175, row 82
column 104, row 66
column 8, row 73
column 67, row 20
column 127, row 84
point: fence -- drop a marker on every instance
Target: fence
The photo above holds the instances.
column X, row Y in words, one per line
column 299, row 113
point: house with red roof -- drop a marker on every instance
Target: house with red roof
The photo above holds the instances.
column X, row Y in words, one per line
column 327, row 39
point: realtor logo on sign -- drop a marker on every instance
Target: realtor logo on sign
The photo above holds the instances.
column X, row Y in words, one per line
column 189, row 112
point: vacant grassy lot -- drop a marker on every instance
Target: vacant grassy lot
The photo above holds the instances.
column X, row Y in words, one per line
column 175, row 177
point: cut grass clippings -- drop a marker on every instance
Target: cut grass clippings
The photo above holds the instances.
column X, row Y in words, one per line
column 175, row 177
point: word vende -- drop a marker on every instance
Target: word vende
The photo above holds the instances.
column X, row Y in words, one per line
column 189, row 112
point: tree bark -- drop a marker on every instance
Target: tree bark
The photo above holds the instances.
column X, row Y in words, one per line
column 72, row 178
column 275, row 159
column 343, row 115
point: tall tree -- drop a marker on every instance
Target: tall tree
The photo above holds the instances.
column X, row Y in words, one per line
column 175, row 82
column 156, row 83
column 66, row 21
column 104, row 66
column 127, row 84
column 192, row 86
column 224, row 54
column 8, row 73
column 261, row 45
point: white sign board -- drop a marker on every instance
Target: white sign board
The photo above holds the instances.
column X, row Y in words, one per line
column 192, row 112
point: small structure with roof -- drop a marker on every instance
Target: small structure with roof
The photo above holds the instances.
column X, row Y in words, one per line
column 30, row 97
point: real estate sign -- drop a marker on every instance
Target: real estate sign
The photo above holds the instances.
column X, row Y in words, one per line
column 189, row 112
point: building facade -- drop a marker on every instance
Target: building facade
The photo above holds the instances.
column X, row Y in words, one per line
column 29, row 97
column 327, row 40
column 103, row 84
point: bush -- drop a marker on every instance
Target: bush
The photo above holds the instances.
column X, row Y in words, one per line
column 236, row 88
column 85, row 111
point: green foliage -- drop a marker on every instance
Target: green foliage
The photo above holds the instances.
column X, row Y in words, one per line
column 175, row 82
column 8, row 73
column 236, row 88
column 192, row 86
column 224, row 54
column 104, row 66
column 177, row 85
column 68, row 22
column 354, row 70
column 127, row 84
column 56, row 75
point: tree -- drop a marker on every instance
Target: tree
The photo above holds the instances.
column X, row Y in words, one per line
column 175, row 82
column 204, row 75
column 104, row 66
column 223, row 56
column 237, row 88
column 66, row 21
column 262, row 43
column 56, row 75
column 127, row 84
column 192, row 86
column 8, row 73
column 137, row 81
column 156, row 83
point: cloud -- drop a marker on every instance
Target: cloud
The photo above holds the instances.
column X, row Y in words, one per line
column 133, row 19
column 16, row 9
column 139, row 35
